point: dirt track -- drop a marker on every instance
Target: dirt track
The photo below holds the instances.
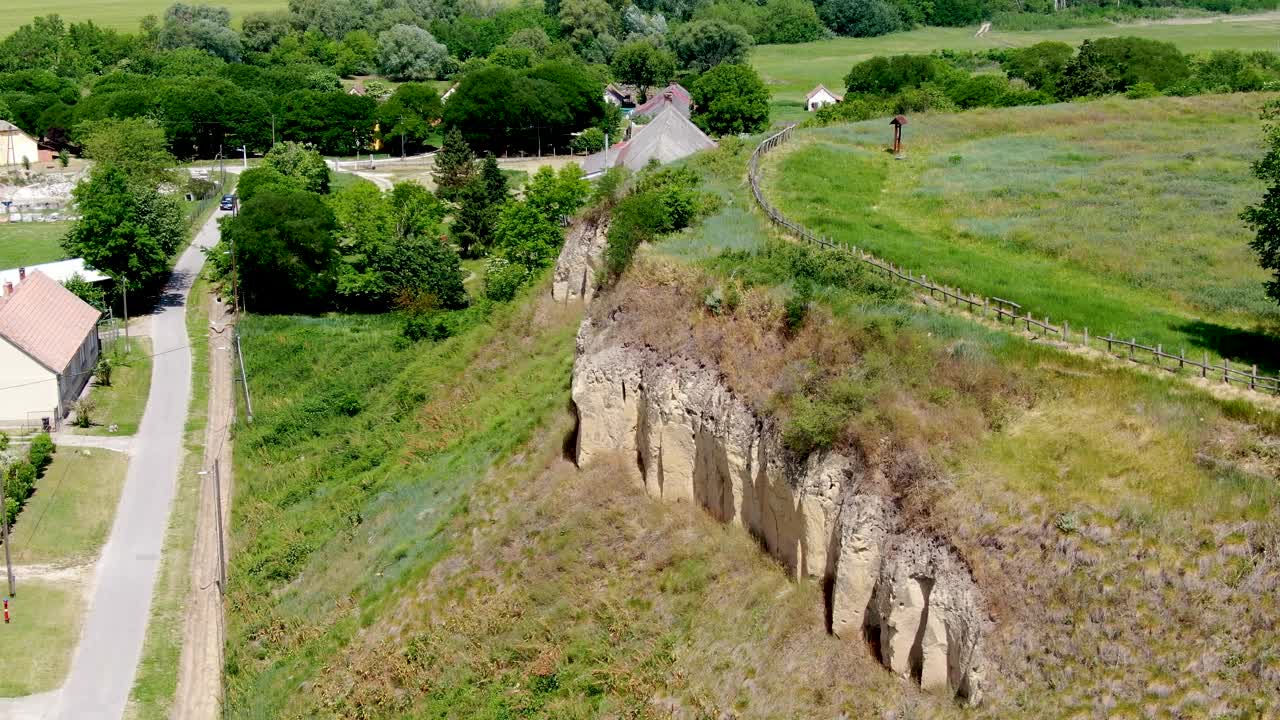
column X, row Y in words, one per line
column 199, row 692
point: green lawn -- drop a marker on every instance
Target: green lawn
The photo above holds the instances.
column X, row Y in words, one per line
column 122, row 402
column 791, row 71
column 1118, row 215
column 114, row 14
column 41, row 637
column 31, row 243
column 69, row 515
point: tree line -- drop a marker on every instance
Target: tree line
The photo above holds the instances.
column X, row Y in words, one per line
column 1044, row 73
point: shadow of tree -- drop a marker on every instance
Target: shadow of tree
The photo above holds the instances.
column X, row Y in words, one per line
column 1237, row 344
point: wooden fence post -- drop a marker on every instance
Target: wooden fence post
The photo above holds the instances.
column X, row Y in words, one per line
column 1204, row 367
column 1132, row 342
column 1253, row 379
column 1086, row 336
column 1226, row 371
column 1158, row 352
column 1066, row 332
column 1182, row 357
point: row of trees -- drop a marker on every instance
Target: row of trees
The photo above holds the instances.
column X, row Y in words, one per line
column 1044, row 73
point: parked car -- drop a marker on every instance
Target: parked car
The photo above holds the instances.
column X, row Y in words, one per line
column 228, row 202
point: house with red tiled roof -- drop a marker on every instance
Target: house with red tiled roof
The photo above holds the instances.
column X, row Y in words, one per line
column 48, row 348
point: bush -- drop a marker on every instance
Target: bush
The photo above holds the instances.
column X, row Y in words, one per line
column 84, row 410
column 503, row 279
column 588, row 141
column 102, row 372
column 1142, row 90
column 888, row 75
column 860, row 18
column 796, row 309
column 41, row 451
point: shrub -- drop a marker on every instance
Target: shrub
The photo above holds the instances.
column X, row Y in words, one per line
column 503, row 279
column 889, row 75
column 102, row 372
column 588, row 141
column 40, row 454
column 1142, row 90
column 796, row 308
column 84, row 410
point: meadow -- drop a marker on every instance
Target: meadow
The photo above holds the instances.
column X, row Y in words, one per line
column 791, row 71
column 1116, row 215
column 124, row 15
column 31, row 243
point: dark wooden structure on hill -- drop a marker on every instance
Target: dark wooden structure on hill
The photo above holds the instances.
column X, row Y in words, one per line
column 897, row 122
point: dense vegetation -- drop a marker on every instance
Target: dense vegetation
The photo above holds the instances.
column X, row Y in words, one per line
column 1045, row 73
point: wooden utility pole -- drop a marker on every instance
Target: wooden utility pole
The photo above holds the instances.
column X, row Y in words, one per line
column 8, row 559
column 222, row 551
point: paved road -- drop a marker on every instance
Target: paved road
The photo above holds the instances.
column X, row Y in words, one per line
column 106, row 661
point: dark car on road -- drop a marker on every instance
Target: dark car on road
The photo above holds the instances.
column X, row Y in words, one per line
column 228, row 202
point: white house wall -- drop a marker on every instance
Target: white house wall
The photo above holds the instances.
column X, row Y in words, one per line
column 15, row 146
column 26, row 387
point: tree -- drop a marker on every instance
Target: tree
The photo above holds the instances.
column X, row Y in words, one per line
column 261, row 31
column 407, row 52
column 411, row 113
column 730, row 99
column 424, row 264
column 1040, row 65
column 703, row 44
column 1264, row 216
column 334, row 123
column 306, row 166
column 641, row 64
column 495, row 183
column 286, row 251
column 790, row 21
column 265, row 176
column 357, row 54
column 860, row 18
column 135, row 146
column 332, row 18
column 203, row 27
column 587, row 24
column 86, row 291
column 126, row 229
column 1112, row 65
column 474, row 220
column 455, row 166
column 886, row 75
column 557, row 195
column 416, row 210
column 524, row 236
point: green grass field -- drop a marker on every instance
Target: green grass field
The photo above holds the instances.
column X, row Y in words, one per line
column 1117, row 215
column 31, row 243
column 791, row 71
column 123, row 15
column 122, row 402
column 46, row 624
column 67, row 519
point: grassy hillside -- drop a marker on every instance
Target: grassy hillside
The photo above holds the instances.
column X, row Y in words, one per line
column 1120, row 216
column 31, row 243
column 411, row 542
column 791, row 71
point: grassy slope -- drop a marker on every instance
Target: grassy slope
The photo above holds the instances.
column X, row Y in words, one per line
column 1120, row 216
column 31, row 243
column 411, row 544
column 791, row 71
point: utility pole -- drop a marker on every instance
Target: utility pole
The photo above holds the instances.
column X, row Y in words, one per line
column 244, row 377
column 8, row 560
column 273, row 129
column 222, row 551
column 124, row 286
column 244, row 151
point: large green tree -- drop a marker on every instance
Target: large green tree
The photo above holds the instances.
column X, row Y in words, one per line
column 1264, row 216
column 135, row 146
column 859, row 18
column 286, row 251
column 523, row 235
column 407, row 52
column 125, row 228
column 730, row 99
column 643, row 65
column 301, row 163
column 408, row 117
column 557, row 195
column 703, row 44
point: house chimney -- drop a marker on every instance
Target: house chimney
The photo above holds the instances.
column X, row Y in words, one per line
column 22, row 274
column 8, row 288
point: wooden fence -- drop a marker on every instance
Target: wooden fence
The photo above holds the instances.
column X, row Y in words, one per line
column 1002, row 310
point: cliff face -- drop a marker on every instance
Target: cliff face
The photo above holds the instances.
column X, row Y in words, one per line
column 574, row 277
column 694, row 441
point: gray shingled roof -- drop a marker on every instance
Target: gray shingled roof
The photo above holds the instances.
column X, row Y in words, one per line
column 668, row 137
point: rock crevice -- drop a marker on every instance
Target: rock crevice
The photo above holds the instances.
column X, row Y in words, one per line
column 694, row 441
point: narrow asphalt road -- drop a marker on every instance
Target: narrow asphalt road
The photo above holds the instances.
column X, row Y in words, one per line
column 106, row 661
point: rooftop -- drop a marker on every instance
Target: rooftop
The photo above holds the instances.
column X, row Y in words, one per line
column 46, row 320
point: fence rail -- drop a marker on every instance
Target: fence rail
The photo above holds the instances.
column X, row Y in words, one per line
column 1001, row 309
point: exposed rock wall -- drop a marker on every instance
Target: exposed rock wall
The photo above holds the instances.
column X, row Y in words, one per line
column 580, row 260
column 694, row 441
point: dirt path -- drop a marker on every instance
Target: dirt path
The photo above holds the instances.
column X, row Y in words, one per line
column 199, row 692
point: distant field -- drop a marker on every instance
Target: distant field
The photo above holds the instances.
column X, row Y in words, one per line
column 30, row 243
column 114, row 14
column 791, row 71
column 1118, row 215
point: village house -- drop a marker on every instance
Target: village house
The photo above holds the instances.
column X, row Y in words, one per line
column 16, row 146
column 48, row 348
column 667, row 137
column 673, row 95
column 820, row 96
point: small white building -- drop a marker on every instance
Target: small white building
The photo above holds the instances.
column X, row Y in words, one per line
column 820, row 96
column 16, row 145
column 60, row 271
column 48, row 349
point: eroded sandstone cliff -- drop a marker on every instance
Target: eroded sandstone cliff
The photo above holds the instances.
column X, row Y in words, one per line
column 579, row 262
column 693, row 441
